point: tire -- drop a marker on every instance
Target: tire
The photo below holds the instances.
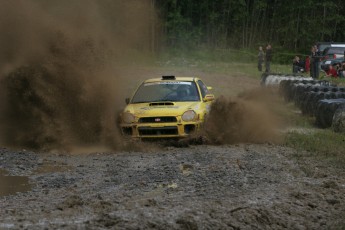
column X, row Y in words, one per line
column 314, row 102
column 338, row 121
column 326, row 110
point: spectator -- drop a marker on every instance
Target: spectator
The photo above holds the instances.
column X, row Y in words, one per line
column 297, row 65
column 337, row 66
column 307, row 64
column 268, row 58
column 311, row 62
column 315, row 61
column 331, row 72
column 261, row 57
column 341, row 70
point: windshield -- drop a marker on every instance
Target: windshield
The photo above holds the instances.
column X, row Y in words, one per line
column 166, row 91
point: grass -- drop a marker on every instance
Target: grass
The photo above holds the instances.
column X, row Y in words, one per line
column 323, row 141
column 323, row 145
column 248, row 69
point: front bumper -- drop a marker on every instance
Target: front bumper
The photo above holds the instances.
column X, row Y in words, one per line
column 161, row 130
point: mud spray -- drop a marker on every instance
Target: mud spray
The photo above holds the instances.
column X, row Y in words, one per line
column 247, row 118
column 60, row 80
column 59, row 85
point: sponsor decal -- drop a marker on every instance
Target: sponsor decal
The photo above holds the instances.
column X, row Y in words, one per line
column 168, row 83
column 159, row 107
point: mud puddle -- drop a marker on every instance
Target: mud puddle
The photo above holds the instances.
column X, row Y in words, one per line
column 51, row 167
column 11, row 185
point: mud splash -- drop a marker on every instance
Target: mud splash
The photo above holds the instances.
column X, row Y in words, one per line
column 245, row 119
column 59, row 81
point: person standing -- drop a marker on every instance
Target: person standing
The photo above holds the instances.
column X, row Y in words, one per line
column 307, row 64
column 297, row 65
column 315, row 61
column 311, row 62
column 261, row 58
column 268, row 58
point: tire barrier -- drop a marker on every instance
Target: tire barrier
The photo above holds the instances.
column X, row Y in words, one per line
column 291, row 89
column 338, row 122
column 326, row 109
column 306, row 104
column 319, row 98
column 301, row 92
column 312, row 98
column 311, row 105
column 275, row 79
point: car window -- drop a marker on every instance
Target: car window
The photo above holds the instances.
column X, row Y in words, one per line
column 323, row 47
column 166, row 91
column 334, row 50
column 203, row 88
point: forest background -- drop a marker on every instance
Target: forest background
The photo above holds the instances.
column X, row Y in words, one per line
column 225, row 26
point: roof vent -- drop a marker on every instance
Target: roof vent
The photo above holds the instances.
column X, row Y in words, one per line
column 168, row 77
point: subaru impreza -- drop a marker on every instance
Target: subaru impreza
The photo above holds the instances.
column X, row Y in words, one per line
column 166, row 107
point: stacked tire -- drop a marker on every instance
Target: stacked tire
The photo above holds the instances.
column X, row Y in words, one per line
column 326, row 110
column 275, row 79
column 338, row 121
column 319, row 98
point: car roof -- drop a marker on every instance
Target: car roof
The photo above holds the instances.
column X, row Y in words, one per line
column 323, row 45
column 338, row 45
column 334, row 49
column 175, row 79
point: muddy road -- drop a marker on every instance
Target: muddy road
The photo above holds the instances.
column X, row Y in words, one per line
column 150, row 186
column 242, row 186
column 64, row 76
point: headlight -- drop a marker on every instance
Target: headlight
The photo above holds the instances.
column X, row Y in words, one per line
column 189, row 115
column 128, row 118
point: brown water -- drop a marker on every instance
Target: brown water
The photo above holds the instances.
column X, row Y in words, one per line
column 10, row 185
column 49, row 167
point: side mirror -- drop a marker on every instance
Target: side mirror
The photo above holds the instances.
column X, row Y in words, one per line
column 208, row 97
column 209, row 88
column 127, row 100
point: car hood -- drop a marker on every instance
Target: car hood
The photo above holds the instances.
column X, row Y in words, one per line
column 162, row 108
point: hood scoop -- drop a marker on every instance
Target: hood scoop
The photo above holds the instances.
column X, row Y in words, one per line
column 161, row 103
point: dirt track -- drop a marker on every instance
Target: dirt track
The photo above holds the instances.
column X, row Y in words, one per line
column 200, row 187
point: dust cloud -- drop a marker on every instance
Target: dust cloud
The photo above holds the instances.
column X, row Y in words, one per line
column 60, row 77
column 248, row 118
column 59, row 60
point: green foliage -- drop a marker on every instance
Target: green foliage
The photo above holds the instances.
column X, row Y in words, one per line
column 242, row 24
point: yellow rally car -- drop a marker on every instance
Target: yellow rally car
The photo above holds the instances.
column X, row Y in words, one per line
column 166, row 107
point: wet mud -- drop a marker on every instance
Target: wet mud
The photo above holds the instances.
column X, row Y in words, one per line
column 241, row 186
column 239, row 120
column 10, row 185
